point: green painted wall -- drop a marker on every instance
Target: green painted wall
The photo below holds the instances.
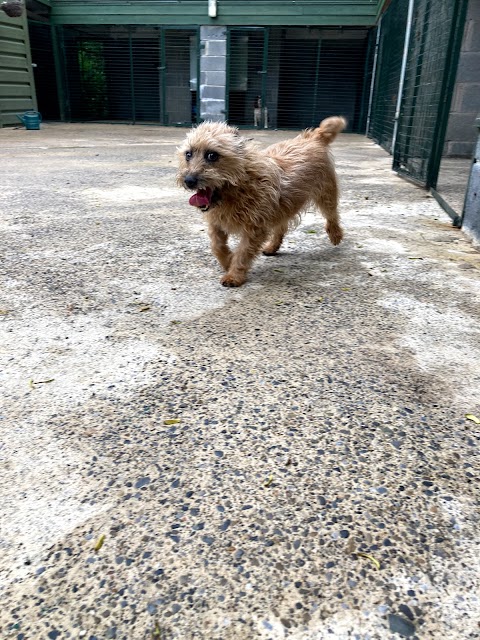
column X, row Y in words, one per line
column 17, row 89
column 230, row 12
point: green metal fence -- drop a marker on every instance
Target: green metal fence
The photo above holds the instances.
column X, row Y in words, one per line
column 437, row 27
column 415, row 71
column 387, row 79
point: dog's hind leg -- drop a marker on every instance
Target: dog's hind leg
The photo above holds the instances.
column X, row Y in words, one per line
column 248, row 248
column 328, row 207
column 275, row 242
column 220, row 248
column 332, row 227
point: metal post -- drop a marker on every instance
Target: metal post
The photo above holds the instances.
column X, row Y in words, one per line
column 365, row 84
column 228, row 73
column 374, row 75
column 132, row 80
column 59, row 74
column 314, row 122
column 471, row 208
column 197, row 90
column 266, row 36
column 402, row 72
column 162, row 69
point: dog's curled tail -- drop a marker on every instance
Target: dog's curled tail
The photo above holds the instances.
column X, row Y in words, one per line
column 329, row 128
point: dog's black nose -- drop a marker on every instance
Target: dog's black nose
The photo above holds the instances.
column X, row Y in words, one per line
column 191, row 181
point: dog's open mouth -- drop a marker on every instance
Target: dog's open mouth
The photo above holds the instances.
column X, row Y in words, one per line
column 202, row 199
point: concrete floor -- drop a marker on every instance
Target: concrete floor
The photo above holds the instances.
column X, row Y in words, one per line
column 237, row 449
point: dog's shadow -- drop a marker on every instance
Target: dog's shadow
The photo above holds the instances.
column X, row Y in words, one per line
column 294, row 267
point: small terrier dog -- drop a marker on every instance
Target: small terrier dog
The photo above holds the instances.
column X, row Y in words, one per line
column 258, row 195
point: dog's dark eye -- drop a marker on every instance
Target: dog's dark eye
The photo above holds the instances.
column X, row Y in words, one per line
column 211, row 156
column 188, row 155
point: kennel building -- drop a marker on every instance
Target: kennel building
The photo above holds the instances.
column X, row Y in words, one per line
column 405, row 72
column 169, row 62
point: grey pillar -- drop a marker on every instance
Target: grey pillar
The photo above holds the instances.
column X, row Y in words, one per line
column 471, row 211
column 213, row 73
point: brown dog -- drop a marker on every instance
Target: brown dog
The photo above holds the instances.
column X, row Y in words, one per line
column 257, row 194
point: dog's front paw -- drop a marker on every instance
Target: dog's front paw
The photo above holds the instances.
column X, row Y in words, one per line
column 229, row 280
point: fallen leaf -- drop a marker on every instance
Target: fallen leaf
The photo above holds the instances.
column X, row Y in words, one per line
column 4, row 312
column 345, row 288
column 176, row 322
column 415, row 258
column 279, row 302
column 319, row 299
column 470, row 416
column 310, row 231
column 373, row 560
column 268, row 481
column 145, row 307
column 32, row 383
column 172, row 421
column 99, row 543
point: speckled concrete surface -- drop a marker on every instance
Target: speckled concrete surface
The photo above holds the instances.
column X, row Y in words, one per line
column 319, row 411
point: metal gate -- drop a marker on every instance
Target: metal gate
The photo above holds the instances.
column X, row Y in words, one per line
column 292, row 78
column 415, row 72
column 390, row 53
column 132, row 74
column 436, row 32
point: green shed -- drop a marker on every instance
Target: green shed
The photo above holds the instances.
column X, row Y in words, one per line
column 17, row 89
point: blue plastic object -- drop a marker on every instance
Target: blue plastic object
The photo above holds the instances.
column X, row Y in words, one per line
column 31, row 119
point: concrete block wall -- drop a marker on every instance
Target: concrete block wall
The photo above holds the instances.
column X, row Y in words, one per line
column 213, row 73
column 461, row 132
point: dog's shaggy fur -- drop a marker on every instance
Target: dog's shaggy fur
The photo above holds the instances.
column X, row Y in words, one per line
column 257, row 194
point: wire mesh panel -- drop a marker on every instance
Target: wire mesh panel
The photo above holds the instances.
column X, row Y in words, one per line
column 339, row 81
column 425, row 90
column 292, row 78
column 390, row 52
column 44, row 70
column 131, row 73
column 180, row 81
column 246, row 87
column 147, row 74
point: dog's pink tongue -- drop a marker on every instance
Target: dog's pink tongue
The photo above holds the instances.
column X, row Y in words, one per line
column 200, row 199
